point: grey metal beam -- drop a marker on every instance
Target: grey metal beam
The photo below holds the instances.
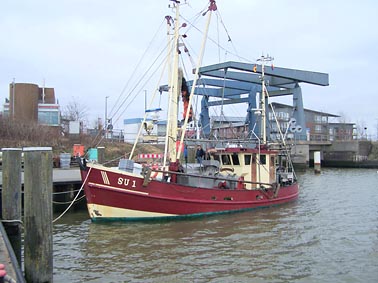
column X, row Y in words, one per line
column 211, row 91
column 242, row 77
column 292, row 74
column 228, row 101
column 217, row 92
column 236, row 80
column 231, row 84
column 253, row 78
column 280, row 92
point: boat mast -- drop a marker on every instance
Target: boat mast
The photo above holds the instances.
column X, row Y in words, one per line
column 264, row 96
column 174, row 90
column 169, row 57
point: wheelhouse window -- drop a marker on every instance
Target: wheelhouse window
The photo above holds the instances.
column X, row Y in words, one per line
column 216, row 157
column 247, row 159
column 263, row 159
column 235, row 159
column 226, row 159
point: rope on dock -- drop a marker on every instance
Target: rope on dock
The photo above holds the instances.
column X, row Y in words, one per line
column 74, row 200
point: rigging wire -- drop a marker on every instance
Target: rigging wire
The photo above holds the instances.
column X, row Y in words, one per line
column 234, row 53
column 149, row 106
column 135, row 68
column 218, row 40
column 195, row 18
column 195, row 102
column 229, row 37
column 192, row 25
column 99, row 137
column 139, row 82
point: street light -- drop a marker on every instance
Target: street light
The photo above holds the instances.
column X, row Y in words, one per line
column 106, row 115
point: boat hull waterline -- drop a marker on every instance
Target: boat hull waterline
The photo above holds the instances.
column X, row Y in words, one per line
column 113, row 196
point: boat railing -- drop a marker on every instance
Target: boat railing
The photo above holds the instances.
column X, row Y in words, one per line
column 215, row 176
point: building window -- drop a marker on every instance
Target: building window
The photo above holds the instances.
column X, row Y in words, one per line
column 271, row 116
column 283, row 126
column 318, row 128
column 50, row 118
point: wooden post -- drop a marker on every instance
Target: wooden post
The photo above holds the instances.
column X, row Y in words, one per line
column 101, row 154
column 317, row 162
column 38, row 243
column 11, row 198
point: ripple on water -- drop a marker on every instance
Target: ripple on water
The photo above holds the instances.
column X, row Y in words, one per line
column 329, row 235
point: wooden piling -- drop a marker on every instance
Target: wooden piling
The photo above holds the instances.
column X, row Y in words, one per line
column 101, row 154
column 11, row 197
column 38, row 243
column 317, row 162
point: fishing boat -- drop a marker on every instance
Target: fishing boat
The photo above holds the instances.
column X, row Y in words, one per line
column 232, row 178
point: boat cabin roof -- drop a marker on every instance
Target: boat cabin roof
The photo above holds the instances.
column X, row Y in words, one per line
column 242, row 150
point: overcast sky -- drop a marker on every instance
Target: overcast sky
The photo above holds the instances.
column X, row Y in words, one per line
column 87, row 49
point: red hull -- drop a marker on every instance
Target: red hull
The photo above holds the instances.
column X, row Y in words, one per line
column 114, row 194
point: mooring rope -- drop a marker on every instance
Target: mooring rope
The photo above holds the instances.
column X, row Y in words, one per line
column 74, row 200
column 67, row 202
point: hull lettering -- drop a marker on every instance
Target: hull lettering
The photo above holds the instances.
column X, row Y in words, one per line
column 126, row 182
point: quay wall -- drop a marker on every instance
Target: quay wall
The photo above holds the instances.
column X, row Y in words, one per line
column 347, row 154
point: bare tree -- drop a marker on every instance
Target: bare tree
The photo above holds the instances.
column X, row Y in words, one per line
column 75, row 111
column 343, row 117
column 361, row 129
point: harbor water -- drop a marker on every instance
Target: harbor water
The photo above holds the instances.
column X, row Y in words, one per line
column 330, row 234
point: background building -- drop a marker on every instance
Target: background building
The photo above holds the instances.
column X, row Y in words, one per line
column 29, row 102
column 319, row 125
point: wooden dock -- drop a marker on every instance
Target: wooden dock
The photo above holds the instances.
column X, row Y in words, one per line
column 60, row 176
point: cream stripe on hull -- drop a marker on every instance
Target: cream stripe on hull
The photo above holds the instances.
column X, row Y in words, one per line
column 103, row 211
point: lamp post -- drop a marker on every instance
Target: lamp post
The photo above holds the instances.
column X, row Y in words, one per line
column 366, row 133
column 13, row 97
column 106, row 116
